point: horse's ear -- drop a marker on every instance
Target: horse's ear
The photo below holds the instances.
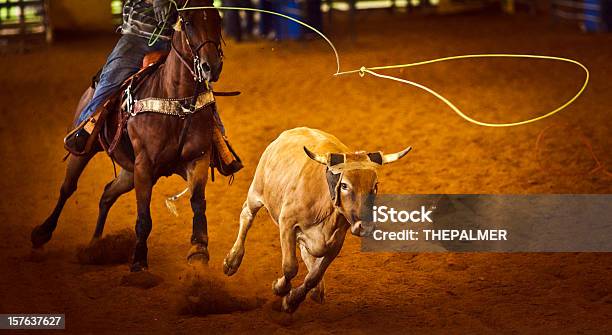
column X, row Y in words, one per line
column 177, row 25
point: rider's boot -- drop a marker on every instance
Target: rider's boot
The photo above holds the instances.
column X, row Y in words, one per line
column 224, row 159
column 76, row 140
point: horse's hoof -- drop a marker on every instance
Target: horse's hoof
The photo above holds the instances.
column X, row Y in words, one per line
column 280, row 290
column 138, row 267
column 40, row 236
column 231, row 263
column 317, row 295
column 198, row 254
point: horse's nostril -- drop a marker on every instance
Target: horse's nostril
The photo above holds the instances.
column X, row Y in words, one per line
column 206, row 67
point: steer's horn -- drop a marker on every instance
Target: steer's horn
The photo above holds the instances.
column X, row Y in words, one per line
column 390, row 158
column 316, row 157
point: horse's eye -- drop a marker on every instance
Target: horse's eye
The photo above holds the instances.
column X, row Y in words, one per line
column 344, row 186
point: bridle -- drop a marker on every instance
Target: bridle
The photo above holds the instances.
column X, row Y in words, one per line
column 197, row 68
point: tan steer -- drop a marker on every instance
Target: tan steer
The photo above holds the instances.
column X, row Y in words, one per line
column 314, row 197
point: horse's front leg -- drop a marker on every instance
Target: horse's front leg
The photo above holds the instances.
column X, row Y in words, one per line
column 143, row 182
column 197, row 178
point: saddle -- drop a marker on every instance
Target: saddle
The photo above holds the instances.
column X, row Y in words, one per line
column 94, row 124
column 223, row 157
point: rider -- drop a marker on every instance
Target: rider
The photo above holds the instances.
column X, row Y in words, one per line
column 147, row 27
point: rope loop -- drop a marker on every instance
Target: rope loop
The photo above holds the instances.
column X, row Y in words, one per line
column 362, row 71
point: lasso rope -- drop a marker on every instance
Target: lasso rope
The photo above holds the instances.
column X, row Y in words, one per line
column 371, row 70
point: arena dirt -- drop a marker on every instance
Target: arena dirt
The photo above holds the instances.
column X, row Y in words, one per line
column 285, row 85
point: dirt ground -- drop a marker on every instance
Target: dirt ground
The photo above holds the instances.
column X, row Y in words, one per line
column 290, row 84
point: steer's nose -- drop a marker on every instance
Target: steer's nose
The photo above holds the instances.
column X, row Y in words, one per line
column 361, row 229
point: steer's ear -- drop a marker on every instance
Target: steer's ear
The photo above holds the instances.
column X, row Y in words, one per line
column 316, row 157
column 376, row 157
column 390, row 158
column 335, row 159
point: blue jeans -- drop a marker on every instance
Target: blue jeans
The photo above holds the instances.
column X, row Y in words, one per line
column 124, row 61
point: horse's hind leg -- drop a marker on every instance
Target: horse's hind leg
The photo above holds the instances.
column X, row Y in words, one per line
column 197, row 178
column 75, row 166
column 112, row 191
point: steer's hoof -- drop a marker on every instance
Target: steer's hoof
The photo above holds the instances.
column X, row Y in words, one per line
column 139, row 266
column 280, row 287
column 231, row 263
column 317, row 295
column 198, row 254
column 40, row 236
column 287, row 306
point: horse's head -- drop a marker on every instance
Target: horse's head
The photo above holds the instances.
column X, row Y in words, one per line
column 198, row 40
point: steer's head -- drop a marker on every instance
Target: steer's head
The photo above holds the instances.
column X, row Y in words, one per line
column 353, row 181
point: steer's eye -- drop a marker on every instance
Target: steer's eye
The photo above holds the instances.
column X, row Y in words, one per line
column 344, row 186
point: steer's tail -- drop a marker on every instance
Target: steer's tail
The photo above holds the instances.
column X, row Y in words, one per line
column 171, row 200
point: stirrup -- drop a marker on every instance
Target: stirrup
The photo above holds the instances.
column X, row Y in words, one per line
column 88, row 127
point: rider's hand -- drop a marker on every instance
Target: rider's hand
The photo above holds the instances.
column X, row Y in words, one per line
column 161, row 9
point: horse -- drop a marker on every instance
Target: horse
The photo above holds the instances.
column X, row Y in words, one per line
column 158, row 145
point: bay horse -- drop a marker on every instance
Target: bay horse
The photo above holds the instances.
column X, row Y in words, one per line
column 153, row 146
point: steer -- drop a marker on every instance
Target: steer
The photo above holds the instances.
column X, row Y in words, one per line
column 314, row 197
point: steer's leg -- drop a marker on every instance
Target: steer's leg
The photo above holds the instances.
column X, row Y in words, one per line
column 112, row 191
column 197, row 178
column 41, row 234
column 295, row 297
column 282, row 285
column 143, row 182
column 233, row 259
column 318, row 292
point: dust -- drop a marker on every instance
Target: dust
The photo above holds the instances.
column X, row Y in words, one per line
column 274, row 313
column 203, row 292
column 143, row 279
column 111, row 249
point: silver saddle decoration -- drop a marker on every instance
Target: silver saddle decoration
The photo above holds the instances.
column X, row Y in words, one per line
column 176, row 107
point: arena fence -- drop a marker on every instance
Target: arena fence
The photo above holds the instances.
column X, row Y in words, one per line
column 24, row 23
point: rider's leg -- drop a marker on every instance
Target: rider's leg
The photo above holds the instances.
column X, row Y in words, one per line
column 125, row 60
